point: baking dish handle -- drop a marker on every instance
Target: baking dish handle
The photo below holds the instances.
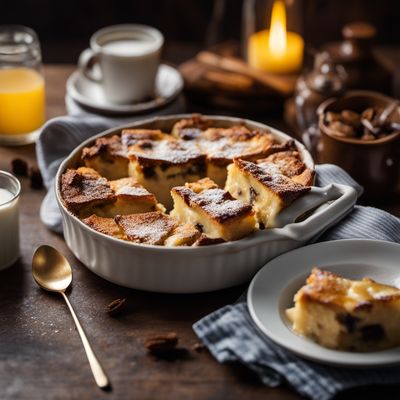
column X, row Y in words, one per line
column 333, row 202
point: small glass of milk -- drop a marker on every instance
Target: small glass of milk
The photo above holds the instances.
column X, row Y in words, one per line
column 10, row 189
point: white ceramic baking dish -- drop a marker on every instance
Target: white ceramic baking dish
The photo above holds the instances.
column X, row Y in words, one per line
column 200, row 269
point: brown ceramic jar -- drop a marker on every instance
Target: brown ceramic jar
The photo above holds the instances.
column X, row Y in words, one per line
column 374, row 164
column 364, row 70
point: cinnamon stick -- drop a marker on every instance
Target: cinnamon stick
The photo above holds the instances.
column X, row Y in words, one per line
column 230, row 80
column 282, row 85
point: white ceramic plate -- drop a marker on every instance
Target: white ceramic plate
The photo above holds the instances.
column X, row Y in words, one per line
column 272, row 290
column 169, row 84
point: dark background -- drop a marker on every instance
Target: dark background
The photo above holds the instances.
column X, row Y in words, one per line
column 65, row 26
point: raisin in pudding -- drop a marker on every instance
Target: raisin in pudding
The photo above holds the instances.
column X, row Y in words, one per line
column 344, row 314
column 264, row 186
column 212, row 210
column 198, row 185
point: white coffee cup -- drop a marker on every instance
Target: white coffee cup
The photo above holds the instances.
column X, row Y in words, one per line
column 124, row 59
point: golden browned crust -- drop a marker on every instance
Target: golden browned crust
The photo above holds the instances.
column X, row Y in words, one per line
column 183, row 235
column 202, row 184
column 165, row 153
column 87, row 171
column 129, row 187
column 83, row 187
column 216, row 203
column 291, row 165
column 331, row 289
column 190, row 128
column 105, row 225
column 132, row 138
column 149, row 228
column 289, row 162
column 105, row 147
column 223, row 144
column 269, row 175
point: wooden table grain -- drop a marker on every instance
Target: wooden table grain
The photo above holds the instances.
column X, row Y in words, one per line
column 41, row 356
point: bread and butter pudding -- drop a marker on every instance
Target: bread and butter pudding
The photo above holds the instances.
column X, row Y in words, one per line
column 130, row 183
column 212, row 210
column 264, row 186
column 344, row 314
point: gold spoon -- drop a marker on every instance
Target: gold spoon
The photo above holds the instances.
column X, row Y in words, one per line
column 51, row 271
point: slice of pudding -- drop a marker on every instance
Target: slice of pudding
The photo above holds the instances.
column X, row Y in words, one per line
column 130, row 198
column 222, row 145
column 346, row 314
column 161, row 163
column 264, row 187
column 84, row 191
column 105, row 225
column 291, row 165
column 212, row 210
column 107, row 157
column 190, row 128
column 156, row 228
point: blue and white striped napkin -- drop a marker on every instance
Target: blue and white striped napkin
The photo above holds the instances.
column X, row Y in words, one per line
column 231, row 335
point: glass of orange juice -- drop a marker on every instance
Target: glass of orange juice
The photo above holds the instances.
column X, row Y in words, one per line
column 22, row 93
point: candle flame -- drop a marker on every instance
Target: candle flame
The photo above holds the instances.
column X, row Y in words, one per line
column 277, row 33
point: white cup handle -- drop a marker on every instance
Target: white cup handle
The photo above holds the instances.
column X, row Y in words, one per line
column 89, row 65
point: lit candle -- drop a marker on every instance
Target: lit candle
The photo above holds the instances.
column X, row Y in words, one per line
column 276, row 50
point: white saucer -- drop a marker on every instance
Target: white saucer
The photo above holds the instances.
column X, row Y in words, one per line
column 273, row 287
column 169, row 84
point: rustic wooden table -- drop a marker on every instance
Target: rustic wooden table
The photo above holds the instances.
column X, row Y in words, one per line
column 41, row 356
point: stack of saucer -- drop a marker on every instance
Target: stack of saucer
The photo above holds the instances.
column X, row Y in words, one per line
column 85, row 96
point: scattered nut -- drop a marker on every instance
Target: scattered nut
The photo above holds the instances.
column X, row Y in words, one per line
column 351, row 118
column 36, row 180
column 116, row 307
column 162, row 344
column 199, row 347
column 368, row 114
column 370, row 124
column 342, row 129
column 331, row 117
column 19, row 167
